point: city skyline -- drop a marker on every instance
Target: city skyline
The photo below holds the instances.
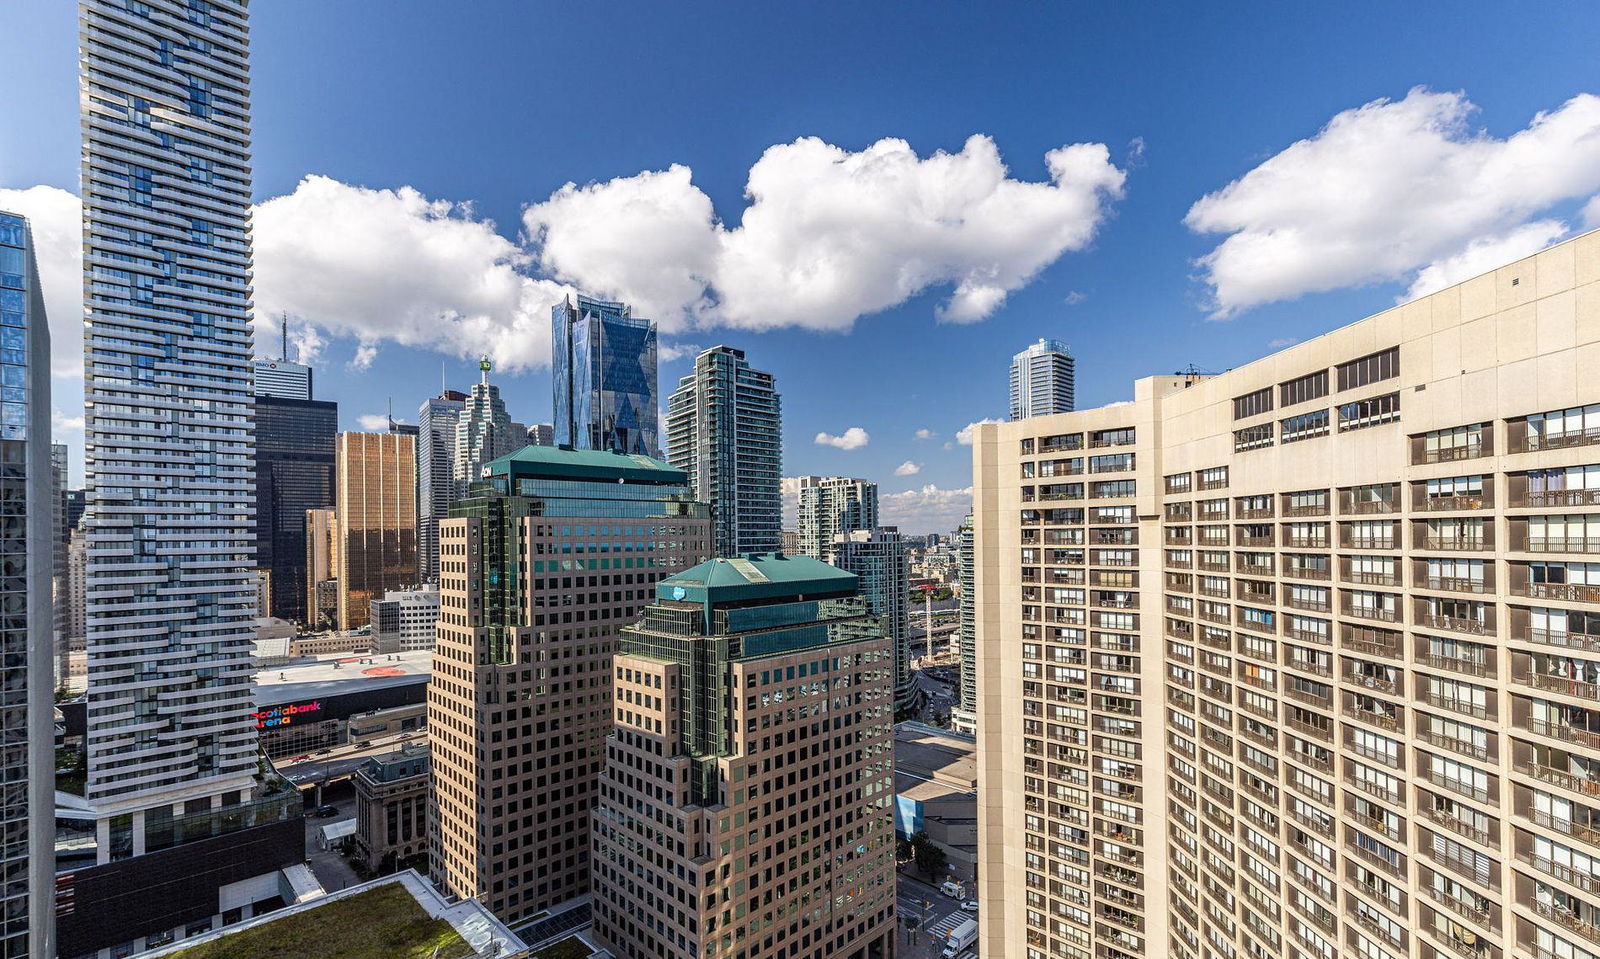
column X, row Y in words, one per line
column 1133, row 278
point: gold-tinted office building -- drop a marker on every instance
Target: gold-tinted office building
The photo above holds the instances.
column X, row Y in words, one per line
column 375, row 521
column 1302, row 660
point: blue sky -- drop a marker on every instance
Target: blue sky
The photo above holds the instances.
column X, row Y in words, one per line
column 501, row 105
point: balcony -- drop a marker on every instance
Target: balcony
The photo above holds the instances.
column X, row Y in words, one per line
column 1567, row 919
column 1315, row 573
column 1588, row 784
column 1369, row 578
column 1462, row 746
column 1440, row 504
column 1456, row 544
column 1378, row 613
column 1563, row 592
column 1465, row 707
column 1455, row 664
column 1562, row 544
column 1458, row 624
column 1525, row 441
column 1561, row 684
column 1566, row 733
column 1320, row 701
column 1558, row 497
column 1372, row 681
column 1582, row 641
column 1476, row 911
column 1382, row 720
column 1454, row 584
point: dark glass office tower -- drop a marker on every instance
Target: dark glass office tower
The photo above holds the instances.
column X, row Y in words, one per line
column 28, row 513
column 294, row 473
column 604, row 374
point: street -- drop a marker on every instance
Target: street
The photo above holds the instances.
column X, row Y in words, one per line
column 330, row 868
column 919, row 938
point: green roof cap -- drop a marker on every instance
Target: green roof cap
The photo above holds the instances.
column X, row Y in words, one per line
column 565, row 462
column 756, row 576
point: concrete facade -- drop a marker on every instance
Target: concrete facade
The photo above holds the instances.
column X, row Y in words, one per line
column 1301, row 660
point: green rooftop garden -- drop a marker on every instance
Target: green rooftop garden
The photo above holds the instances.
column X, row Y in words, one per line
column 383, row 923
column 569, row 948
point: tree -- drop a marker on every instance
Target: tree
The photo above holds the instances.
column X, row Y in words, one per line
column 930, row 859
column 902, row 848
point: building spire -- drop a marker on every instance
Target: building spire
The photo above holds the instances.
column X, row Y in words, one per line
column 484, row 366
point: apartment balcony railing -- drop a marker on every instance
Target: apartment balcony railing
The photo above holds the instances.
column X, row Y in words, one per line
column 1572, row 877
column 1381, row 720
column 1455, row 544
column 1372, row 579
column 1455, row 664
column 1588, row 784
column 1371, row 788
column 1523, row 441
column 1461, row 907
column 1561, row 684
column 1323, row 701
column 1563, row 731
column 1368, row 507
column 1383, row 683
column 1309, row 605
column 1248, row 539
column 1481, row 794
column 1465, row 707
column 1306, row 542
column 1434, row 504
column 1311, row 729
column 1565, row 592
column 1567, row 919
column 1459, row 624
column 1582, row 641
column 1451, row 454
column 1455, row 584
column 1370, row 612
column 1379, row 647
column 1307, row 666
column 1373, row 859
column 1369, row 542
column 1260, row 513
column 1558, row 497
column 1564, row 544
column 1453, row 744
column 1316, row 509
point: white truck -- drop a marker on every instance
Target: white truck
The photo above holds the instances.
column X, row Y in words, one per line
column 959, row 938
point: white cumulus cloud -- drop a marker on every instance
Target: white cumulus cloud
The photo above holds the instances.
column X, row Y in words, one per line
column 396, row 266
column 828, row 236
column 373, row 422
column 926, row 434
column 851, row 439
column 1389, row 189
column 1591, row 213
column 964, row 434
column 908, row 468
column 1484, row 254
column 929, row 509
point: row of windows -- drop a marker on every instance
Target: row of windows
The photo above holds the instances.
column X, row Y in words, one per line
column 1373, row 368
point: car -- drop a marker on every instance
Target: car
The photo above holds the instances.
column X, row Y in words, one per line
column 326, row 811
column 971, row 905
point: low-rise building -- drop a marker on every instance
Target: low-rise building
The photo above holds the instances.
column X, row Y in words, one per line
column 936, row 792
column 392, row 808
column 305, row 707
column 404, row 619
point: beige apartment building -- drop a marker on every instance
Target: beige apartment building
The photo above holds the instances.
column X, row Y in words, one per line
column 375, row 520
column 1301, row 660
column 746, row 807
column 540, row 568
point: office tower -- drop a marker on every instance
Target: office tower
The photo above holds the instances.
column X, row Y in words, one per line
column 724, row 429
column 375, row 520
column 604, row 374
column 789, row 541
column 483, row 431
column 881, row 559
column 830, row 505
column 541, row 434
column 58, row 564
column 403, row 620
column 281, row 379
column 436, row 470
column 322, row 568
column 1042, row 380
column 541, row 566
column 294, row 473
column 30, row 486
column 745, row 804
column 1299, row 660
column 964, row 717
column 72, row 629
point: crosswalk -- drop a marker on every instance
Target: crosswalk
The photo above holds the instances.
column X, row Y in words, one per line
column 943, row 926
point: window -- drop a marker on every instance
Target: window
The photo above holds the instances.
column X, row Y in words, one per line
column 1214, row 478
column 1178, row 483
column 1309, row 387
column 1369, row 412
column 1252, row 404
column 1118, row 437
column 1564, row 427
column 1252, row 438
column 1305, row 426
column 1459, row 443
column 1370, row 369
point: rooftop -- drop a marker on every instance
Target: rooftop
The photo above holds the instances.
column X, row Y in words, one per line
column 564, row 462
column 936, row 755
column 340, row 673
column 756, row 576
column 397, row 917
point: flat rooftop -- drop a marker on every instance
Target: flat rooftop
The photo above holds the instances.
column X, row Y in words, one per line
column 339, row 673
column 936, row 755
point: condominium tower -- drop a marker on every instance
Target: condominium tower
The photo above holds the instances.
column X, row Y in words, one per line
column 745, row 806
column 540, row 568
column 1042, row 380
column 724, row 428
column 1301, row 660
column 829, row 506
column 167, row 389
column 294, row 471
column 375, row 521
column 436, row 470
column 881, row 559
column 27, row 634
column 964, row 714
column 604, row 377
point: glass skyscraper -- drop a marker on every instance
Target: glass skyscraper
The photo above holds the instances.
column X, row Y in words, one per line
column 604, row 373
column 294, row 473
column 167, row 388
column 724, row 429
column 29, row 514
column 436, row 485
column 1042, row 380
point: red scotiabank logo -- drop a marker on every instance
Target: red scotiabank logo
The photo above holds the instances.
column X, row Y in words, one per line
column 284, row 715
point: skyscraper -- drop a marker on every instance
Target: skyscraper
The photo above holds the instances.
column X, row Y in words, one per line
column 604, row 375
column 176, row 807
column 167, row 389
column 32, row 498
column 1042, row 380
column 753, row 709
column 322, row 568
column 1301, row 659
column 375, row 520
column 541, row 566
column 881, row 560
column 541, row 434
column 281, row 379
column 436, row 470
column 964, row 717
column 294, row 470
column 831, row 505
column 483, row 431
column 724, row 428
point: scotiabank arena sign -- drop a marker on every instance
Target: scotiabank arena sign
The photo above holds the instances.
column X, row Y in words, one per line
column 287, row 714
